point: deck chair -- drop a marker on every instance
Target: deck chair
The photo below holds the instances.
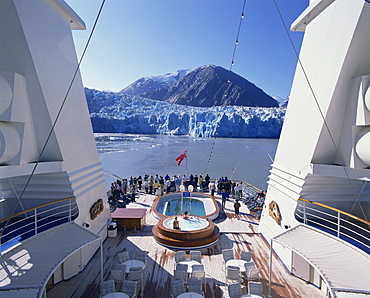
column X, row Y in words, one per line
column 195, row 285
column 248, row 267
column 201, row 275
column 177, row 288
column 197, row 267
column 255, row 288
column 130, row 288
column 141, row 256
column 181, row 275
column 196, row 255
column 233, row 274
column 253, row 274
column 118, row 277
column 227, row 254
column 180, row 256
column 136, row 274
column 123, row 257
column 107, row 287
column 235, row 290
column 182, row 267
column 246, row 255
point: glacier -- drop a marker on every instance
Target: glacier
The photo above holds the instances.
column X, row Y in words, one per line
column 111, row 112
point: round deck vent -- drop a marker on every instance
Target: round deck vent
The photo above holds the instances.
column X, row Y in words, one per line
column 10, row 142
column 363, row 145
column 367, row 98
column 6, row 94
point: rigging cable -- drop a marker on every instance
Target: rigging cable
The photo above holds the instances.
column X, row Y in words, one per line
column 228, row 84
column 57, row 116
column 319, row 108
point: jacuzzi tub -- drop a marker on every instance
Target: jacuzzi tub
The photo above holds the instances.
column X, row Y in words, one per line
column 192, row 224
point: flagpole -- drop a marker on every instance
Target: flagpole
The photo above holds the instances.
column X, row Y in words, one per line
column 186, row 169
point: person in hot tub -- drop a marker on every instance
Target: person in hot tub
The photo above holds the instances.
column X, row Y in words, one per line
column 176, row 224
column 186, row 215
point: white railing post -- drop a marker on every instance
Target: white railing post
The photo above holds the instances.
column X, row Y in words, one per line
column 338, row 225
column 35, row 215
column 70, row 210
column 304, row 213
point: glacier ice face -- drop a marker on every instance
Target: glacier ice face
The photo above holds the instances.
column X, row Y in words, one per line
column 113, row 113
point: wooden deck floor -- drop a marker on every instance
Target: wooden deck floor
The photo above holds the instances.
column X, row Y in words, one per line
column 239, row 234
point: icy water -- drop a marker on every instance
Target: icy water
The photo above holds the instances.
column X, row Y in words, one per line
column 125, row 155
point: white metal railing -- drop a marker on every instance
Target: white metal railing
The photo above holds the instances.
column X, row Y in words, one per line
column 31, row 222
column 337, row 222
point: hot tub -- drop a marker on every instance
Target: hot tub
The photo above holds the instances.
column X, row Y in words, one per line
column 194, row 233
column 192, row 224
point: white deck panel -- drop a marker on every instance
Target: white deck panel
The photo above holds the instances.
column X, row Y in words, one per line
column 343, row 265
column 30, row 265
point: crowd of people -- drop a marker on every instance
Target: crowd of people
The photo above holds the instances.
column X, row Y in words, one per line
column 166, row 184
column 127, row 189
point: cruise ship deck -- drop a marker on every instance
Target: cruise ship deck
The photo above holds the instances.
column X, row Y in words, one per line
column 239, row 234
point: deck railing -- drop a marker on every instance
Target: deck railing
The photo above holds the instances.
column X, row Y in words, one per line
column 31, row 222
column 342, row 224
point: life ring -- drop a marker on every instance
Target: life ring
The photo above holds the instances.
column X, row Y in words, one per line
column 274, row 212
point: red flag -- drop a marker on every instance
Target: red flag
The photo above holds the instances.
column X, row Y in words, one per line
column 181, row 158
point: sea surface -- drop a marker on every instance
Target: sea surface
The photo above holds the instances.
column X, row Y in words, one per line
column 125, row 155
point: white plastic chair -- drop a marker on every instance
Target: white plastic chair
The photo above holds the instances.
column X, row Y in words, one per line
column 196, row 255
column 233, row 274
column 197, row 267
column 227, row 254
column 201, row 275
column 118, row 276
column 180, row 256
column 255, row 288
column 235, row 290
column 123, row 257
column 246, row 255
column 182, row 267
column 253, row 274
column 177, row 288
column 181, row 275
column 195, row 285
column 130, row 288
column 141, row 256
column 107, row 287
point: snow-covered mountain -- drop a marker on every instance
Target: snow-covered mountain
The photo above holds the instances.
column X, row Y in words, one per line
column 206, row 86
column 114, row 112
column 147, row 84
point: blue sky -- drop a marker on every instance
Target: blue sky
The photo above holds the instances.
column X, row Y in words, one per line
column 137, row 38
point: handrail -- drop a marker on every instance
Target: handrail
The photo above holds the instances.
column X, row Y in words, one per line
column 352, row 229
column 337, row 210
column 16, row 228
column 33, row 208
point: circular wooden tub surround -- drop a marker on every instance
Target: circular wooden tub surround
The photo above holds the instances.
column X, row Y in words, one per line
column 186, row 239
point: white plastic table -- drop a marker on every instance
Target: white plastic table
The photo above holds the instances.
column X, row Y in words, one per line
column 189, row 263
column 190, row 295
column 116, row 295
column 250, row 296
column 133, row 263
column 237, row 263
